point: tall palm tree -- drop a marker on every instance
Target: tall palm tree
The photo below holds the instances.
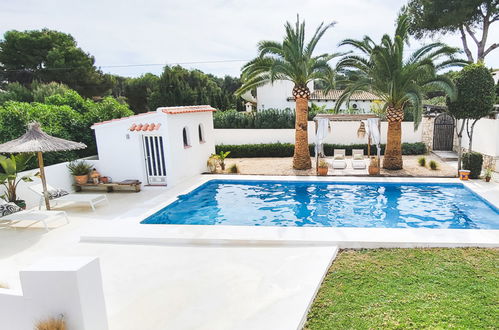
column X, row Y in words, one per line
column 292, row 59
column 399, row 82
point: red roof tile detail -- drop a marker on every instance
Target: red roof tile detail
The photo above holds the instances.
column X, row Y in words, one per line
column 144, row 127
column 187, row 109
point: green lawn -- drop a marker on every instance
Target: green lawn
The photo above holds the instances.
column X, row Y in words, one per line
column 409, row 288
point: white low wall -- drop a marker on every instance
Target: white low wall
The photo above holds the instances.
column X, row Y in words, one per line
column 57, row 175
column 485, row 137
column 71, row 287
column 341, row 133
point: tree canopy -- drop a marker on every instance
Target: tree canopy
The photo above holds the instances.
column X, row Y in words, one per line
column 47, row 56
column 475, row 93
column 382, row 70
column 466, row 17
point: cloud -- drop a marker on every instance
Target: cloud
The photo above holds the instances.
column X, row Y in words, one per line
column 139, row 32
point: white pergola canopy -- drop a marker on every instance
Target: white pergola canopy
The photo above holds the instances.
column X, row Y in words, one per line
column 371, row 121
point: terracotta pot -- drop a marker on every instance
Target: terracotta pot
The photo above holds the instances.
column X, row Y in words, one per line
column 373, row 170
column 322, row 171
column 487, row 179
column 104, row 179
column 81, row 179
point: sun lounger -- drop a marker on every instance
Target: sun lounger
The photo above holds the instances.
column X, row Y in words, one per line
column 358, row 160
column 34, row 216
column 339, row 161
column 90, row 199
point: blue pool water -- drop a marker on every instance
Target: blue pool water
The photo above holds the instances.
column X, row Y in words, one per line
column 330, row 204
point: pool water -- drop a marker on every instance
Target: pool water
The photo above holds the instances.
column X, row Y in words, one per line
column 330, row 204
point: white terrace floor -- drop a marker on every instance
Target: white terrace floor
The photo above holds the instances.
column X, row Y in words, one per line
column 195, row 277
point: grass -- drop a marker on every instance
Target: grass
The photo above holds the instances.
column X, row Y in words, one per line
column 409, row 289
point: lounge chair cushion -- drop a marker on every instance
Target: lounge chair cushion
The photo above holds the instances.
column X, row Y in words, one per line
column 358, row 157
column 55, row 193
column 8, row 209
column 339, row 157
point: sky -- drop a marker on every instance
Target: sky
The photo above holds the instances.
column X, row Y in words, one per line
column 223, row 33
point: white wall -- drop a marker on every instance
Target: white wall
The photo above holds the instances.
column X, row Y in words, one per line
column 341, row 133
column 187, row 162
column 274, row 96
column 57, row 176
column 121, row 154
column 485, row 137
column 54, row 286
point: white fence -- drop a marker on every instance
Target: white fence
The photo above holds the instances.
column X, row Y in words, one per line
column 341, row 133
column 70, row 286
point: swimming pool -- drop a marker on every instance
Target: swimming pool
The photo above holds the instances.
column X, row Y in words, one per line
column 330, row 204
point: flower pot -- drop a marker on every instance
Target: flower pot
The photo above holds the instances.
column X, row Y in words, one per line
column 81, row 179
column 487, row 179
column 322, row 171
column 464, row 175
column 104, row 179
column 21, row 203
column 373, row 170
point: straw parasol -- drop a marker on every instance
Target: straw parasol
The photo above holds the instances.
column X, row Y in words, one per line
column 36, row 140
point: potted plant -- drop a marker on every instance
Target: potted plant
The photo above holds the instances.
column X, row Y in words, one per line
column 212, row 163
column 322, row 168
column 221, row 159
column 373, row 166
column 488, row 174
column 80, row 170
column 11, row 167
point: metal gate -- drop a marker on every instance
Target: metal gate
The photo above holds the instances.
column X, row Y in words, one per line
column 443, row 132
column 155, row 159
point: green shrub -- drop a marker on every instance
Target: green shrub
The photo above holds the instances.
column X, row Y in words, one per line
column 287, row 149
column 422, row 161
column 473, row 161
column 233, row 168
column 271, row 118
column 433, row 165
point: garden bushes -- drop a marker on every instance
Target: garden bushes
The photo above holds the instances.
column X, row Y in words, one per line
column 270, row 118
column 287, row 149
column 473, row 161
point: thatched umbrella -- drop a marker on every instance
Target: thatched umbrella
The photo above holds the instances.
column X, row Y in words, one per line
column 35, row 140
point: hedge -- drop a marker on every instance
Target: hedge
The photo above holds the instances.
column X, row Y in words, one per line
column 287, row 149
column 473, row 161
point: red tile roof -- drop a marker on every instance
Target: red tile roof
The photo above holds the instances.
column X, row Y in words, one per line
column 144, row 127
column 187, row 109
column 333, row 95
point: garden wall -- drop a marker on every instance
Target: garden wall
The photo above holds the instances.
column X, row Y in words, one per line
column 485, row 141
column 67, row 286
column 57, row 175
column 341, row 133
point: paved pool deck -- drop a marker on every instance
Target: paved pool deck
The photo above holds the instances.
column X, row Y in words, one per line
column 209, row 277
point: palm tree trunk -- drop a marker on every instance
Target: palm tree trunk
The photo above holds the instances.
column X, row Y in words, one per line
column 301, row 157
column 392, row 159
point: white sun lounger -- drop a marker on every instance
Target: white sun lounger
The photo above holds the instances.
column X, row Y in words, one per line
column 90, row 199
column 339, row 161
column 34, row 216
column 358, row 160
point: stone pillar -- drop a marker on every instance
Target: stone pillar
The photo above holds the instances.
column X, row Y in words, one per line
column 427, row 131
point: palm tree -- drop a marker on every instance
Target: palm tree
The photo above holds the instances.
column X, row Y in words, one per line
column 382, row 70
column 293, row 60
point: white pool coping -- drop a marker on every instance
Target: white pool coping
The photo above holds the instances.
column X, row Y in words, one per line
column 130, row 230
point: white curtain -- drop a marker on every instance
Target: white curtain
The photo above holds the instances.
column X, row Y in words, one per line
column 373, row 129
column 320, row 135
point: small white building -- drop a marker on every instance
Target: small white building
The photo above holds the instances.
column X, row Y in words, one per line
column 279, row 96
column 160, row 147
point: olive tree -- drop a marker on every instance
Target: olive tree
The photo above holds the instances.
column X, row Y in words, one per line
column 475, row 100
